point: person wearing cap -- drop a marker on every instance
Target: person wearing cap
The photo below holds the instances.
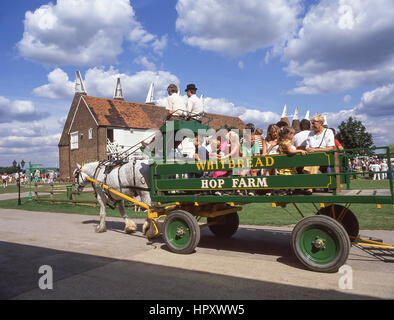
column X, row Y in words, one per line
column 176, row 105
column 195, row 107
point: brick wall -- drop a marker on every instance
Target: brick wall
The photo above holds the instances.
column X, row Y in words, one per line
column 88, row 149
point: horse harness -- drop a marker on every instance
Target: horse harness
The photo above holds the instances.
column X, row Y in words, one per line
column 107, row 170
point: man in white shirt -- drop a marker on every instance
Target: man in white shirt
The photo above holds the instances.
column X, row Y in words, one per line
column 176, row 104
column 194, row 104
column 299, row 140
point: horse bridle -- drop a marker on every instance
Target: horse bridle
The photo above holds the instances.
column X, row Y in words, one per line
column 78, row 177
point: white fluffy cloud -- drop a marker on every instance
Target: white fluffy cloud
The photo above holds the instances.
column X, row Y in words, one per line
column 145, row 62
column 59, row 86
column 27, row 141
column 257, row 117
column 343, row 44
column 19, row 110
column 36, row 140
column 378, row 102
column 83, row 32
column 234, row 27
column 101, row 83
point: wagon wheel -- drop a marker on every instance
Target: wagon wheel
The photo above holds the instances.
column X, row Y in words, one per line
column 224, row 226
column 320, row 243
column 344, row 216
column 181, row 232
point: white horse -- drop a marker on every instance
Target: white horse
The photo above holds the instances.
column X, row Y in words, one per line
column 129, row 178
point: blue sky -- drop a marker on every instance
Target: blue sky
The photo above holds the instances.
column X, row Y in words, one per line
column 248, row 58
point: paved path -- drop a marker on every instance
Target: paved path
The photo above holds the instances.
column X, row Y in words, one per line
column 257, row 263
column 6, row 196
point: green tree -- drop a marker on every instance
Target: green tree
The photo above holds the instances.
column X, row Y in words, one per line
column 353, row 134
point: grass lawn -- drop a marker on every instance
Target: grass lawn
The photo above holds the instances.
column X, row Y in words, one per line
column 25, row 188
column 368, row 184
column 254, row 214
column 13, row 189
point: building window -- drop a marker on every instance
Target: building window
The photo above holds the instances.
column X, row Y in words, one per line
column 91, row 133
column 74, row 140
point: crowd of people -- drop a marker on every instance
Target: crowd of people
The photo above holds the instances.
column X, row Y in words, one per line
column 281, row 138
column 24, row 178
column 371, row 167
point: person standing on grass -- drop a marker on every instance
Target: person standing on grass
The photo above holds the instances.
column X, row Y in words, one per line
column 375, row 168
column 4, row 177
column 50, row 176
column 384, row 168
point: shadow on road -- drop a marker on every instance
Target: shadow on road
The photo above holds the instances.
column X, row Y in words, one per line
column 257, row 241
column 82, row 276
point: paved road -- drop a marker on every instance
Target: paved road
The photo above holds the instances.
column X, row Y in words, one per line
column 257, row 263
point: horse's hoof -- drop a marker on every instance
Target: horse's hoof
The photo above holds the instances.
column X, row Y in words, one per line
column 130, row 226
column 128, row 230
column 145, row 227
column 100, row 229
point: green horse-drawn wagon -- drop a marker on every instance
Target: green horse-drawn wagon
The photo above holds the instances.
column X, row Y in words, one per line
column 184, row 191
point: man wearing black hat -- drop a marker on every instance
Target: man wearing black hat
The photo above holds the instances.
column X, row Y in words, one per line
column 194, row 104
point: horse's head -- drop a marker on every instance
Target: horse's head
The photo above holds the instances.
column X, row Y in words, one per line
column 80, row 178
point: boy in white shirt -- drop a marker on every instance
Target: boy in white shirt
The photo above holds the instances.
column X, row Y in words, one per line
column 176, row 104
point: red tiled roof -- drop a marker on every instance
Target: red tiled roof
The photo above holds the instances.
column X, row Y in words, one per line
column 124, row 114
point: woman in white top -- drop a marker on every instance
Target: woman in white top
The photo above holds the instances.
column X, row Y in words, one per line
column 320, row 138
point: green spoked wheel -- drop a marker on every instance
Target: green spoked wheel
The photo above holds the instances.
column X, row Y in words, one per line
column 320, row 243
column 181, row 232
